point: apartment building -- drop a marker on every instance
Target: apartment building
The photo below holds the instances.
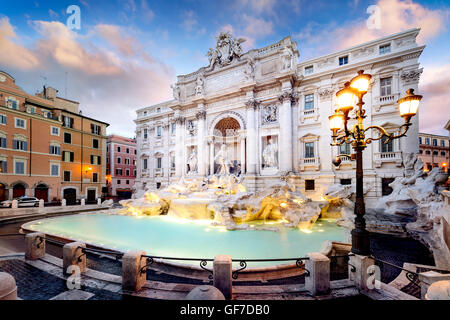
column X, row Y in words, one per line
column 48, row 149
column 434, row 151
column 121, row 166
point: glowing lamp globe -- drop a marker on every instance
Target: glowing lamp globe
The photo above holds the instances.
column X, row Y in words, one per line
column 361, row 82
column 336, row 121
column 346, row 98
column 409, row 104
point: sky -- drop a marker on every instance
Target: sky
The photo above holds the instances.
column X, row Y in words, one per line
column 126, row 53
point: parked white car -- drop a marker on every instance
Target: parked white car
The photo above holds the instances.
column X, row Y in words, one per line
column 22, row 202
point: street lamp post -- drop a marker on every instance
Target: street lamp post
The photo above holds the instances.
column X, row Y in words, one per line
column 352, row 94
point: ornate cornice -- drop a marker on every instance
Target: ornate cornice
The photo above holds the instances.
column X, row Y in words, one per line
column 252, row 103
column 179, row 119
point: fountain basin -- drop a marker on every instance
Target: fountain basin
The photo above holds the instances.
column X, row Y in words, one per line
column 174, row 237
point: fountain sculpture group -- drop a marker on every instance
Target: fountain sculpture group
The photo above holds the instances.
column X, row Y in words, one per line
column 415, row 208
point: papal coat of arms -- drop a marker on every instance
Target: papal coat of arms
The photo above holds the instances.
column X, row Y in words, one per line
column 227, row 49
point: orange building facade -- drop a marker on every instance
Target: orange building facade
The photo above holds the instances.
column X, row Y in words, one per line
column 434, row 150
column 47, row 148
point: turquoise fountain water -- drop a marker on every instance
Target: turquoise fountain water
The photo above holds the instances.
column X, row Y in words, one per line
column 170, row 237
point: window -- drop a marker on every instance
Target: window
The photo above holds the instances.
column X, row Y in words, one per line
column 145, row 113
column 67, row 137
column 427, row 152
column 309, row 70
column 385, row 188
column 386, row 86
column 434, row 142
column 427, row 141
column 126, row 161
column 95, row 143
column 144, row 164
column 66, row 175
column 94, row 177
column 20, row 123
column 346, row 182
column 135, row 152
column 442, row 143
column 420, row 140
column 343, row 60
column 67, row 122
column 12, row 104
column 3, row 166
column 158, row 110
column 145, row 134
column 31, row 110
column 55, row 150
column 309, row 185
column 119, row 172
column 173, row 128
column 386, row 147
column 127, row 181
column 19, row 167
column 119, row 149
column 159, row 163
column 54, row 131
column 172, row 161
column 134, row 173
column 2, row 142
column 386, row 48
column 96, row 129
column 421, row 151
column 2, row 119
column 119, row 160
column 159, row 131
column 435, row 153
column 158, row 185
column 345, row 148
column 429, row 167
column 95, row 159
column 127, row 150
column 118, row 181
column 54, row 169
column 46, row 114
column 127, row 172
column 134, row 162
column 309, row 101
column 67, row 156
column 443, row 153
column 20, row 145
column 309, row 150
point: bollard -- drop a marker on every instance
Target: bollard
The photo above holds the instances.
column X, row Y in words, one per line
column 99, row 201
column 34, row 245
column 41, row 203
column 361, row 273
column 222, row 275
column 74, row 256
column 428, row 278
column 8, row 287
column 133, row 274
column 83, row 202
column 63, row 202
column 318, row 280
column 14, row 204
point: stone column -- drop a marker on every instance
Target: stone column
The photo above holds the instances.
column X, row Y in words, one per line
column 179, row 145
column 74, row 256
column 242, row 141
column 318, row 281
column 211, row 156
column 285, row 122
column 132, row 264
column 222, row 275
column 428, row 278
column 201, row 128
column 34, row 245
column 251, row 105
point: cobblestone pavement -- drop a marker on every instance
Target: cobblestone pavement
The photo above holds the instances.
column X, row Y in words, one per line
column 35, row 284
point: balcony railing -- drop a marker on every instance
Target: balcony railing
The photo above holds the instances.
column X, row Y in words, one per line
column 158, row 172
column 310, row 163
column 388, row 157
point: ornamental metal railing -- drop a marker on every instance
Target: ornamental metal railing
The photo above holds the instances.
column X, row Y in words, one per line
column 299, row 262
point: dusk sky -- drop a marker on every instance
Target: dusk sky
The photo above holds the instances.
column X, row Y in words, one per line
column 127, row 53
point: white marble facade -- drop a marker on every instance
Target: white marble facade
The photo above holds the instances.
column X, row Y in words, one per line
column 268, row 112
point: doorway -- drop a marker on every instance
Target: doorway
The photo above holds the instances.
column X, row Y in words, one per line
column 70, row 194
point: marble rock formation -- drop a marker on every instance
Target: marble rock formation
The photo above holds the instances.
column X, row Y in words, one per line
column 340, row 204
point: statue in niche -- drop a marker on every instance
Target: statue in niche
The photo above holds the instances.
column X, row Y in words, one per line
column 286, row 59
column 269, row 154
column 250, row 69
column 176, row 91
column 192, row 161
column 199, row 85
column 270, row 114
column 191, row 128
column 222, row 159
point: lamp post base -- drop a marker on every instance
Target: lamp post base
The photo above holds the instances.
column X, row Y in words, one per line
column 361, row 242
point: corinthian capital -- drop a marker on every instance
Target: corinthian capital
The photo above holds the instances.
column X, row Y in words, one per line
column 252, row 103
column 179, row 119
column 201, row 115
column 292, row 96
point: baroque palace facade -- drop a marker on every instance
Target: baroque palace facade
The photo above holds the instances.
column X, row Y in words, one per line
column 266, row 113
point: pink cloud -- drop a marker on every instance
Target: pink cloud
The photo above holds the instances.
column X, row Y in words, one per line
column 11, row 53
column 115, row 36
